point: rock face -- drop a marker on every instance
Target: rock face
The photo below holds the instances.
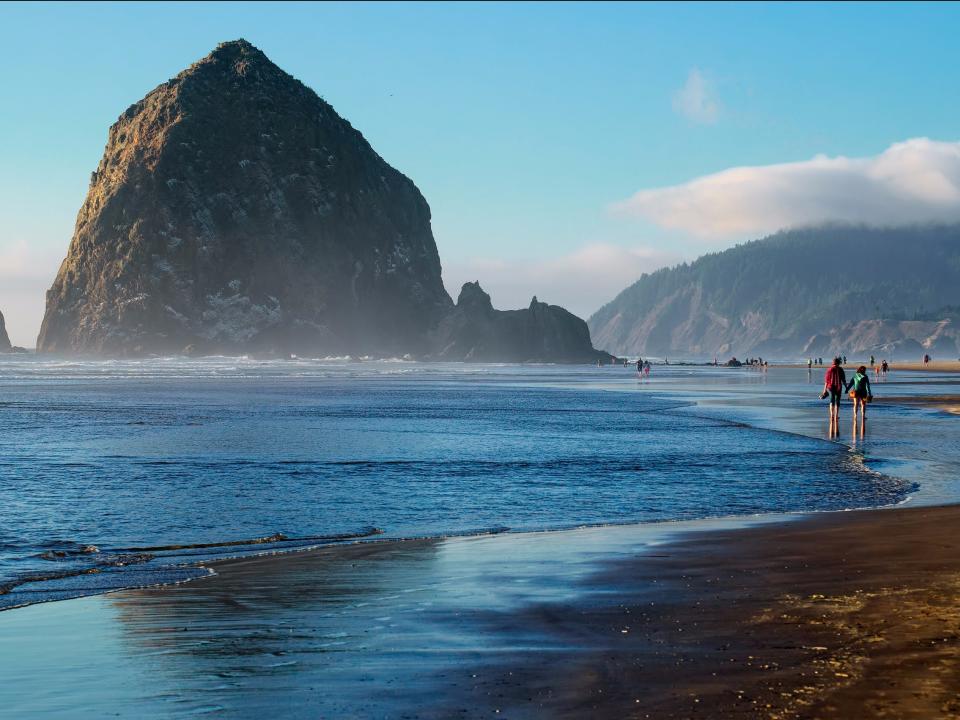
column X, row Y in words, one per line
column 4, row 339
column 235, row 211
column 476, row 332
column 901, row 339
column 818, row 291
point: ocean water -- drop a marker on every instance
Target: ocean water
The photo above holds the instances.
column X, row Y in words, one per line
column 125, row 474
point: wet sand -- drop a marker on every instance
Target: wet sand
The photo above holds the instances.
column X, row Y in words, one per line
column 946, row 403
column 836, row 615
column 844, row 615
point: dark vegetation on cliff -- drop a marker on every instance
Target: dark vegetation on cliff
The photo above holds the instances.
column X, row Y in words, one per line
column 818, row 290
column 235, row 211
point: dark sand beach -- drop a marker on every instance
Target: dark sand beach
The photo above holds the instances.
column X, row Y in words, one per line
column 845, row 615
column 836, row 615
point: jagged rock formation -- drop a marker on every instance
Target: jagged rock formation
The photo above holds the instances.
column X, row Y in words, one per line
column 476, row 332
column 235, row 211
column 817, row 291
column 4, row 339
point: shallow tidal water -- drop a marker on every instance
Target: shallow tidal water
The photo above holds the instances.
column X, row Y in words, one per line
column 126, row 474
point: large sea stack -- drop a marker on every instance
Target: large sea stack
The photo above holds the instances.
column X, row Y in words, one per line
column 234, row 210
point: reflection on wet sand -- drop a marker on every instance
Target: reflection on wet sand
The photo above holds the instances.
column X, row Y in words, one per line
column 384, row 629
column 277, row 632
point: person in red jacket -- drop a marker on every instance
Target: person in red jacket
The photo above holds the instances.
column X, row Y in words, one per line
column 834, row 382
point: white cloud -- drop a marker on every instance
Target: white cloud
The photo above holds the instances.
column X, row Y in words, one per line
column 917, row 181
column 696, row 100
column 581, row 281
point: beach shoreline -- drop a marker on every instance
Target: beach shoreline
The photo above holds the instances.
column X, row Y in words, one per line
column 783, row 615
column 946, row 366
column 835, row 614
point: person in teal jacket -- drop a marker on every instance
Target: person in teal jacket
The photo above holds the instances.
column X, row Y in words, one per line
column 859, row 389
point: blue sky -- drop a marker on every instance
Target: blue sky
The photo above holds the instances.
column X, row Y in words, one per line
column 528, row 127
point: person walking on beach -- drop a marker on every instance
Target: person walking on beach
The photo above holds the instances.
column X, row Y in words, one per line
column 834, row 380
column 861, row 394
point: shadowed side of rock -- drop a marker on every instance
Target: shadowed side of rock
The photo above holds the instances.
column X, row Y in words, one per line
column 475, row 332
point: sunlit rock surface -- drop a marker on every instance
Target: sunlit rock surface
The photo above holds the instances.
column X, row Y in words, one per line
column 235, row 210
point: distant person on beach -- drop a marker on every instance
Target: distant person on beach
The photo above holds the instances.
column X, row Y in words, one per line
column 809, row 363
column 639, row 366
column 872, row 360
column 884, row 367
column 834, row 381
column 860, row 392
column 646, row 368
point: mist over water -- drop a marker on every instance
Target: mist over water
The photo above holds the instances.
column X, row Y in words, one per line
column 118, row 473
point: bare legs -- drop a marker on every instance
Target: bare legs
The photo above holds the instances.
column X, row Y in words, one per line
column 860, row 408
column 834, row 416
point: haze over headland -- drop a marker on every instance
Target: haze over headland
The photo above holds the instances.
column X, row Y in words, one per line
column 532, row 157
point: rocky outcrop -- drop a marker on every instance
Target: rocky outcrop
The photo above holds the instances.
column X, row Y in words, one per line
column 476, row 332
column 4, row 339
column 234, row 211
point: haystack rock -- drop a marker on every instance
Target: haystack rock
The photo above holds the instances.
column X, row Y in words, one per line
column 4, row 339
column 234, row 210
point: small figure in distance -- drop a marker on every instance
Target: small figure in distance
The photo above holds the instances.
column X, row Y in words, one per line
column 884, row 368
column 834, row 380
column 640, row 366
column 861, row 395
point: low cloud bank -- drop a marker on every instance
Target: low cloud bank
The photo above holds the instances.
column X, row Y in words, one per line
column 917, row 181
